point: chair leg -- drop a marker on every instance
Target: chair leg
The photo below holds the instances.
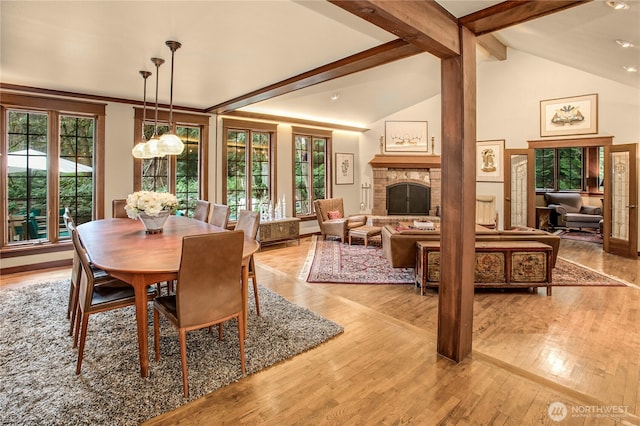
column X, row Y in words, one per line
column 69, row 306
column 73, row 301
column 183, row 358
column 241, row 340
column 156, row 333
column 83, row 338
column 220, row 331
column 77, row 328
column 252, row 271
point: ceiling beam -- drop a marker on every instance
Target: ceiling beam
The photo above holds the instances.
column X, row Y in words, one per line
column 371, row 58
column 293, row 120
column 437, row 35
column 513, row 12
column 493, row 46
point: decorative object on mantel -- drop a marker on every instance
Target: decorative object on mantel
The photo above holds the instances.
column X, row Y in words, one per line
column 152, row 208
column 489, row 167
column 577, row 115
column 406, row 136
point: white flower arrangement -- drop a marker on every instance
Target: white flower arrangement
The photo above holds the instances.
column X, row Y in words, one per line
column 149, row 202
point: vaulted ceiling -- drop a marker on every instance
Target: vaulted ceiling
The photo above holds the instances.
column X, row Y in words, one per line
column 233, row 48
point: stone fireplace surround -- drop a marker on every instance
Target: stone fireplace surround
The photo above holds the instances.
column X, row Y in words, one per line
column 393, row 169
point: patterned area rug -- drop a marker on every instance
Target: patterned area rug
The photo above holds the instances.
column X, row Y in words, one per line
column 39, row 385
column 331, row 261
column 590, row 237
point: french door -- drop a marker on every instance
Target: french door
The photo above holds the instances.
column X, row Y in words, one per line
column 621, row 200
column 519, row 191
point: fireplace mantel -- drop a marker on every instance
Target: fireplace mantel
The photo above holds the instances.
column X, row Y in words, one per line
column 405, row 161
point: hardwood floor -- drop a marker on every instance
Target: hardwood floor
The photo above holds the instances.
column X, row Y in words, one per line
column 580, row 347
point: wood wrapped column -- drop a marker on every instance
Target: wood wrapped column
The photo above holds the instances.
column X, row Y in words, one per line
column 455, row 306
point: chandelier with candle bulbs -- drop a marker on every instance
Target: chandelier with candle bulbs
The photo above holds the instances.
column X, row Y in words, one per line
column 168, row 143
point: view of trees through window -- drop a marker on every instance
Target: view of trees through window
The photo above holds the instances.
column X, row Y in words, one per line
column 155, row 171
column 27, row 173
column 248, row 187
column 310, row 171
column 569, row 168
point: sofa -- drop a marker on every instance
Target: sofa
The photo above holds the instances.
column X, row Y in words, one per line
column 568, row 211
column 399, row 243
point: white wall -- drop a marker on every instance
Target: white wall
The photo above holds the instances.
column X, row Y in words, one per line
column 508, row 107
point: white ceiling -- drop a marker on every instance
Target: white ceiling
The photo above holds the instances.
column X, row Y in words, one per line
column 233, row 47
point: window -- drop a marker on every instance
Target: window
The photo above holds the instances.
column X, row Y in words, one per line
column 312, row 151
column 249, row 149
column 184, row 175
column 51, row 165
column 569, row 165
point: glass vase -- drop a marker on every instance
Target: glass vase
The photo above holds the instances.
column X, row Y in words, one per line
column 154, row 224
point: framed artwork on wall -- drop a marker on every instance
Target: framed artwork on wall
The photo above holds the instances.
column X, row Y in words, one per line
column 489, row 161
column 569, row 116
column 405, row 136
column 344, row 169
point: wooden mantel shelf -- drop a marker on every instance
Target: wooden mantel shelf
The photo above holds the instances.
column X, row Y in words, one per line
column 406, row 161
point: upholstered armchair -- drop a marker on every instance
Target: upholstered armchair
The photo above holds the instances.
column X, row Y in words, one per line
column 486, row 213
column 568, row 210
column 332, row 221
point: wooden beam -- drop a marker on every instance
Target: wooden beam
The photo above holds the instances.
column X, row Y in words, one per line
column 493, row 46
column 371, row 58
column 423, row 23
column 455, row 295
column 282, row 119
column 406, row 161
column 513, row 12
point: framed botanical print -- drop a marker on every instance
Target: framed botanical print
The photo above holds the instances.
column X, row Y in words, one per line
column 569, row 116
column 489, row 161
column 344, row 169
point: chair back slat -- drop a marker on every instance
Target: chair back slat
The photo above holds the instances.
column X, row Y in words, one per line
column 117, row 209
column 220, row 215
column 209, row 277
column 201, row 211
column 248, row 222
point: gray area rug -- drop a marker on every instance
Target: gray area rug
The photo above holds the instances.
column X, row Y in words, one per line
column 39, row 386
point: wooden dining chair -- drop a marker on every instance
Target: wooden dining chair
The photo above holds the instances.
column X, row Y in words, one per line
column 201, row 211
column 117, row 209
column 249, row 222
column 110, row 294
column 207, row 292
column 220, row 215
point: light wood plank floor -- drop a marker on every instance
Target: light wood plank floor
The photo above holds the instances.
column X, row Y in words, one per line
column 580, row 347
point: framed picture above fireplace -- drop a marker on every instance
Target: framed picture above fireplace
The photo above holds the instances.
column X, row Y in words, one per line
column 405, row 136
column 489, row 161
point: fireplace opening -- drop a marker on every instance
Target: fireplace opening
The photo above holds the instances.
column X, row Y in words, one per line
column 408, row 199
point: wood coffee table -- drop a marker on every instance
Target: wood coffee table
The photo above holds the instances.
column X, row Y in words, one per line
column 364, row 232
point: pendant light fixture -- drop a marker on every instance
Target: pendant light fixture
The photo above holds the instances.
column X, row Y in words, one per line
column 151, row 147
column 169, row 142
column 138, row 149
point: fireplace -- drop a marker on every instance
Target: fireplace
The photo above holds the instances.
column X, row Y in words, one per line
column 421, row 171
column 408, row 199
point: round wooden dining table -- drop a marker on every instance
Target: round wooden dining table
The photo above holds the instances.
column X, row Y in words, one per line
column 123, row 249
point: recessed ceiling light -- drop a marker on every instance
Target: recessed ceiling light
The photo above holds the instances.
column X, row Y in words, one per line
column 630, row 68
column 617, row 5
column 335, row 96
column 624, row 43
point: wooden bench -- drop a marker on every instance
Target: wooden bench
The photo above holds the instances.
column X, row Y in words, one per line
column 499, row 264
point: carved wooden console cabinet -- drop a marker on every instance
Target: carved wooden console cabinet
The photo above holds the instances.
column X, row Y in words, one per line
column 499, row 264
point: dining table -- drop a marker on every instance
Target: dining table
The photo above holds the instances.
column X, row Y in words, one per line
column 123, row 249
